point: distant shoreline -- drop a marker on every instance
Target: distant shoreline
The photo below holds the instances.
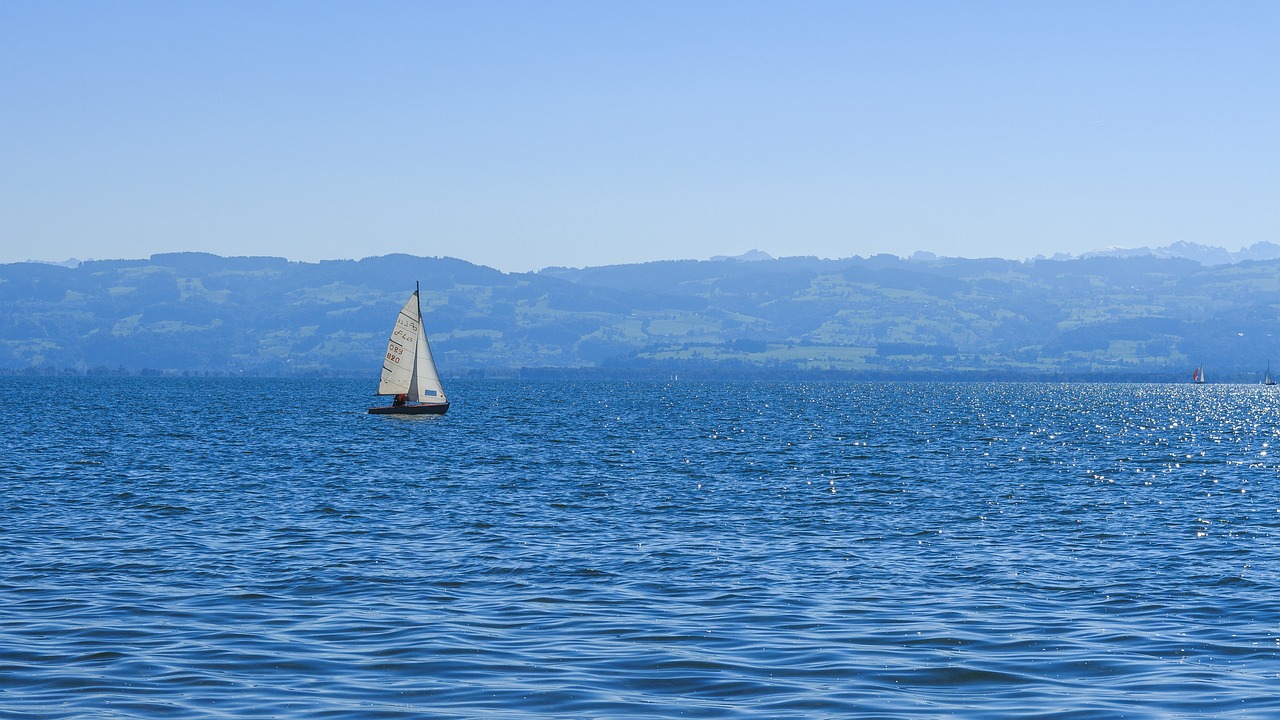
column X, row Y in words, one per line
column 703, row 374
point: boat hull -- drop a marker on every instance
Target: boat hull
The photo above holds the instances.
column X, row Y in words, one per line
column 428, row 409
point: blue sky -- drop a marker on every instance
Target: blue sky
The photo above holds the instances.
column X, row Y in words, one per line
column 522, row 135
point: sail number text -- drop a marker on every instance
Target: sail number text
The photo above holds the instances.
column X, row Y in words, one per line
column 406, row 332
column 394, row 352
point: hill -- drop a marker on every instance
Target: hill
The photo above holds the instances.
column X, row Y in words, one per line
column 883, row 316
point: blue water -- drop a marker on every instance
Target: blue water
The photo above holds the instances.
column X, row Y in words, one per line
column 220, row 548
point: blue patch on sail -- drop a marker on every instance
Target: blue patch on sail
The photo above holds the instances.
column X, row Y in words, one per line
column 432, row 393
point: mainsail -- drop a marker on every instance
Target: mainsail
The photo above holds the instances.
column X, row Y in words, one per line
column 408, row 368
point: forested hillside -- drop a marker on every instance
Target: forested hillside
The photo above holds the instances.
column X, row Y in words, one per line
column 862, row 317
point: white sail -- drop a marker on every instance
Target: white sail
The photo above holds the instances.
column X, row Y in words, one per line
column 408, row 368
column 425, row 386
column 402, row 350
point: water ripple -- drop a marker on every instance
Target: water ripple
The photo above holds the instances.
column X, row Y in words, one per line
column 681, row 550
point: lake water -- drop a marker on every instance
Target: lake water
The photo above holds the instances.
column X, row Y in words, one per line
column 216, row 548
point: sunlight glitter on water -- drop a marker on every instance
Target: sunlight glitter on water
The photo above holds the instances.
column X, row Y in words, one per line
column 958, row 550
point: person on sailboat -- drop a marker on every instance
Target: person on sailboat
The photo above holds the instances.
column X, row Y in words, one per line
column 400, row 400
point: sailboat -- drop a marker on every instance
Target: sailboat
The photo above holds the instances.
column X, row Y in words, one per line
column 1198, row 376
column 1268, row 380
column 409, row 373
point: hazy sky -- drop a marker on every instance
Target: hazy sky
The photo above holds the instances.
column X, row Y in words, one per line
column 526, row 134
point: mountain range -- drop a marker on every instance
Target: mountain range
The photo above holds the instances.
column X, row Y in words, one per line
column 1140, row 314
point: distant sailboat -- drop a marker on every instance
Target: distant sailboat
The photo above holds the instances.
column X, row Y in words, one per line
column 408, row 371
column 1198, row 376
column 1268, row 380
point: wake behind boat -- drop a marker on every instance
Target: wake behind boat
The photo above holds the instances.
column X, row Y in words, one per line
column 409, row 372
